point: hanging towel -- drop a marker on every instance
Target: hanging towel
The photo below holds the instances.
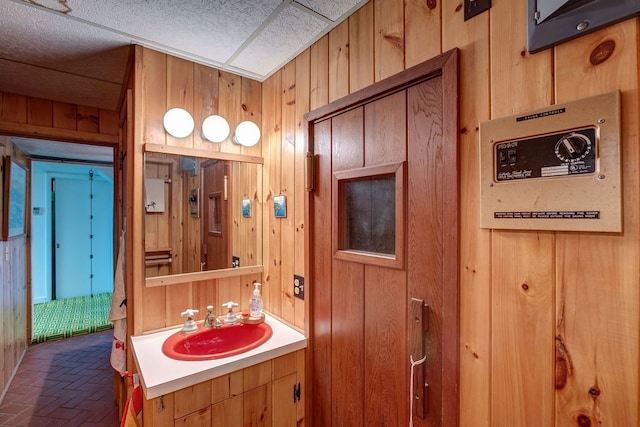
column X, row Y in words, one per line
column 154, row 194
column 118, row 313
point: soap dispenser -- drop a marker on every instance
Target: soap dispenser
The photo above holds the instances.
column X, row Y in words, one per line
column 255, row 302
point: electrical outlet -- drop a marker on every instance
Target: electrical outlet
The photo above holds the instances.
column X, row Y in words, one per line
column 235, row 261
column 298, row 286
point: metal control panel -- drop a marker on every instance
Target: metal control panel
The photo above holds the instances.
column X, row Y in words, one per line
column 554, row 169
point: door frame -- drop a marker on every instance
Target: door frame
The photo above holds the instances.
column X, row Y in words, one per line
column 446, row 67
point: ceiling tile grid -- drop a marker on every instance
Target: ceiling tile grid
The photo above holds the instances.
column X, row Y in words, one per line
column 211, row 30
column 283, row 38
column 226, row 34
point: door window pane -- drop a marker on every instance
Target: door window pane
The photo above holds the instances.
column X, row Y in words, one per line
column 370, row 215
column 369, row 209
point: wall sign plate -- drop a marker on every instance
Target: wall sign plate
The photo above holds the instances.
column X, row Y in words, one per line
column 550, row 22
column 556, row 168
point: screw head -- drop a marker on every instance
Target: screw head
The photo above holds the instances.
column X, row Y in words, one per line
column 582, row 26
column 601, row 121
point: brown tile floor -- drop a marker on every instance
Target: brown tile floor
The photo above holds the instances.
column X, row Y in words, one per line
column 63, row 383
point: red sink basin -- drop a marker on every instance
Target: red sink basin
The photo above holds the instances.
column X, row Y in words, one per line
column 212, row 343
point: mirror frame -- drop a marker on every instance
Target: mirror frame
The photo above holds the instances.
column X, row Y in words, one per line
column 210, row 274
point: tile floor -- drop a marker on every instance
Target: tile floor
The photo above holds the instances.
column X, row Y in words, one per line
column 63, row 383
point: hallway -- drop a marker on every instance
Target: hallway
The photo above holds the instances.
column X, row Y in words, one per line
column 63, row 383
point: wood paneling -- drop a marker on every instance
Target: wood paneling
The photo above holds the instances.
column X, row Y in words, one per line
column 163, row 82
column 472, row 38
column 319, row 91
column 37, row 118
column 299, row 241
column 583, row 277
column 361, row 48
column 339, row 61
column 388, row 38
column 287, row 187
column 597, row 310
column 272, row 127
column 564, row 273
column 422, row 30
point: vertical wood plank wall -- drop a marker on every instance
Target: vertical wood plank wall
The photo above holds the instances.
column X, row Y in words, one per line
column 530, row 302
column 13, row 292
column 39, row 118
column 527, row 299
column 562, row 350
column 162, row 82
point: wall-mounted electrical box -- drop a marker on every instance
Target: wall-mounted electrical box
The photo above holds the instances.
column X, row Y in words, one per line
column 556, row 168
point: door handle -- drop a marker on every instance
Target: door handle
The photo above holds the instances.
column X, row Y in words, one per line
column 419, row 326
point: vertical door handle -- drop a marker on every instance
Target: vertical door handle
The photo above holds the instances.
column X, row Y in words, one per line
column 418, row 327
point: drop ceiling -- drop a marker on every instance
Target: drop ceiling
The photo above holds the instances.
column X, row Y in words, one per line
column 79, row 51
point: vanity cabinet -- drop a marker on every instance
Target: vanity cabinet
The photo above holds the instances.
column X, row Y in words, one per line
column 266, row 394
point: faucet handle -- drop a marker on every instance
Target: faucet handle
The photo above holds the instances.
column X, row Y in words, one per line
column 189, row 313
column 230, row 305
column 230, row 318
column 190, row 325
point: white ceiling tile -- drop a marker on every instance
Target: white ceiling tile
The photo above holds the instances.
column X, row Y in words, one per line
column 207, row 29
column 334, row 10
column 281, row 40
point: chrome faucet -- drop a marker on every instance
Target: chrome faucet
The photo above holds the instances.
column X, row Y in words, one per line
column 211, row 321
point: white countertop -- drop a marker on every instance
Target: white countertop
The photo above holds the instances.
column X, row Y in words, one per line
column 160, row 374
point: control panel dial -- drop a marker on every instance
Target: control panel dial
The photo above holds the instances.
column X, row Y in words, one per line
column 573, row 147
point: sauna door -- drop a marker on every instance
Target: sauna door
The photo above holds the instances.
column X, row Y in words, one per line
column 215, row 217
column 399, row 151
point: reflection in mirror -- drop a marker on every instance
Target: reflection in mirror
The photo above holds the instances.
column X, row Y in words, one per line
column 201, row 214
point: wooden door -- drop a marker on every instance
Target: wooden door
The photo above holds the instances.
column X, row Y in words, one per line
column 215, row 227
column 363, row 326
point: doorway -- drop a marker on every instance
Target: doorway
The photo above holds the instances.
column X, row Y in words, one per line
column 383, row 218
column 87, row 169
column 71, row 248
column 215, row 224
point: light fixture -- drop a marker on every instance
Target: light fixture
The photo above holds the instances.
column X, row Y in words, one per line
column 178, row 122
column 247, row 134
column 215, row 128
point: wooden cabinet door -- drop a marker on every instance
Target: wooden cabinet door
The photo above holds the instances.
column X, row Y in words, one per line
column 257, row 406
column 202, row 418
column 283, row 407
column 228, row 413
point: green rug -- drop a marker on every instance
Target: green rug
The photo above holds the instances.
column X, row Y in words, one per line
column 67, row 317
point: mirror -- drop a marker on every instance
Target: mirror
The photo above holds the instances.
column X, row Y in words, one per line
column 201, row 213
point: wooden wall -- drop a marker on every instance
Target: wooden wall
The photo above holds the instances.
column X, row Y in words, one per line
column 549, row 320
column 13, row 290
column 162, row 82
column 38, row 118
